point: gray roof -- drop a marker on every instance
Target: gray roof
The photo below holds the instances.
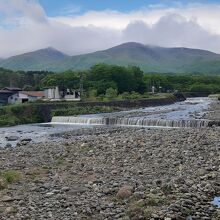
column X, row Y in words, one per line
column 12, row 89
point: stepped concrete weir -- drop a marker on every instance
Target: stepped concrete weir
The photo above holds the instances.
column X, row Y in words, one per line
column 133, row 121
column 189, row 113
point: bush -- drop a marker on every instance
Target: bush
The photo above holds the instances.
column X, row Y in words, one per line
column 125, row 95
column 92, row 94
column 202, row 87
column 20, row 114
column 111, row 93
column 135, row 95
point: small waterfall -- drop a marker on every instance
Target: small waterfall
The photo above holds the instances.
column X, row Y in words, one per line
column 79, row 120
column 133, row 121
column 162, row 122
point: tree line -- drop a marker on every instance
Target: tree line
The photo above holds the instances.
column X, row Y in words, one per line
column 107, row 81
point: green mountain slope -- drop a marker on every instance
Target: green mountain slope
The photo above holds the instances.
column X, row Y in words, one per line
column 37, row 60
column 148, row 58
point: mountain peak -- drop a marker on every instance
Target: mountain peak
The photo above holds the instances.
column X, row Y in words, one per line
column 128, row 45
column 35, row 60
column 48, row 50
column 51, row 49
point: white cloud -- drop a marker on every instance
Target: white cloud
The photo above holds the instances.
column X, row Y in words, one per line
column 172, row 31
column 26, row 27
column 22, row 10
column 206, row 15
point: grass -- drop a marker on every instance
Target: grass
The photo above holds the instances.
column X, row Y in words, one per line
column 83, row 110
column 156, row 200
column 139, row 208
column 11, row 176
column 60, row 161
column 145, row 207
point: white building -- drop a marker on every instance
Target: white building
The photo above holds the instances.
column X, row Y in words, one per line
column 52, row 93
column 55, row 94
column 25, row 96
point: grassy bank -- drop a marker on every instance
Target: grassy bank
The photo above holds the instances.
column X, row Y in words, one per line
column 19, row 114
column 33, row 113
column 84, row 110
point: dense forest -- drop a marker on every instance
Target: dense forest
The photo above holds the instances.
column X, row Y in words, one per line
column 30, row 80
column 104, row 80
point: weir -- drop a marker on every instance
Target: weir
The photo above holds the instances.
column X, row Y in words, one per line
column 133, row 121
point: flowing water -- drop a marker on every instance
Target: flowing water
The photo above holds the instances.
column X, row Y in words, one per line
column 182, row 114
column 216, row 202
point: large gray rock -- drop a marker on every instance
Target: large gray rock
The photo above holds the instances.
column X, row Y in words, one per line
column 12, row 138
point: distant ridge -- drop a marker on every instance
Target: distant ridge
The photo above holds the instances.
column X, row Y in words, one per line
column 149, row 58
column 36, row 60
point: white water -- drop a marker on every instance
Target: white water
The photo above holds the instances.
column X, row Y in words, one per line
column 183, row 114
column 142, row 122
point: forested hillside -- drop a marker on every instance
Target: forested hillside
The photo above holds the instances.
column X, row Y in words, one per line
column 147, row 58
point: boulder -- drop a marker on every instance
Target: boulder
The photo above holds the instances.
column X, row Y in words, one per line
column 125, row 192
column 12, row 138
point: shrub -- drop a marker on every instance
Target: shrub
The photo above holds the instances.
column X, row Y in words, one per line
column 111, row 93
column 135, row 95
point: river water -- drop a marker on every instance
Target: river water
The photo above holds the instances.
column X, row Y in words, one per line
column 183, row 114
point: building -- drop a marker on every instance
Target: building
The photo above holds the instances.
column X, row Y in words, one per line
column 25, row 96
column 12, row 95
column 57, row 94
column 52, row 93
column 6, row 92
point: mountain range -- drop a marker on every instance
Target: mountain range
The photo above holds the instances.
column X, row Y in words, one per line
column 148, row 58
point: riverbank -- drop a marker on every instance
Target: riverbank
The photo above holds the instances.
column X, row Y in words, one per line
column 113, row 173
column 213, row 113
column 43, row 112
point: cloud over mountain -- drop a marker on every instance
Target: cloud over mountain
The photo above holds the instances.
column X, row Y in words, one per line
column 24, row 26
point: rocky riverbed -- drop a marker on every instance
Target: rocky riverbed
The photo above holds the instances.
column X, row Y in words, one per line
column 214, row 112
column 113, row 173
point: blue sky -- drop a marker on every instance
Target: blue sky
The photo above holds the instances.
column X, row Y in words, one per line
column 57, row 7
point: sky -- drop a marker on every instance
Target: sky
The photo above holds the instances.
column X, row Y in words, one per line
column 83, row 26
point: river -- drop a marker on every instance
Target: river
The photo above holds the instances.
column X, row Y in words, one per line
column 182, row 114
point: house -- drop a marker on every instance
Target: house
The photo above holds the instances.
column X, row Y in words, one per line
column 57, row 94
column 25, row 96
column 6, row 92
